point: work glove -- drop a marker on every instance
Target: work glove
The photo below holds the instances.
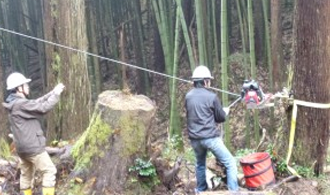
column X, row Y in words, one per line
column 226, row 110
column 58, row 89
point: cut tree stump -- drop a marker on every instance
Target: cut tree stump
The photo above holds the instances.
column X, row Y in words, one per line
column 117, row 134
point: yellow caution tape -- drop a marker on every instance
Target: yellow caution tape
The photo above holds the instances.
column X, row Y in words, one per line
column 293, row 126
column 312, row 105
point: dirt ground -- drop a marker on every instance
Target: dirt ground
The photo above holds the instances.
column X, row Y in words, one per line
column 186, row 183
column 302, row 186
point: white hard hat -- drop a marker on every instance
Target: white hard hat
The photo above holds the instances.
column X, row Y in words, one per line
column 15, row 80
column 202, row 72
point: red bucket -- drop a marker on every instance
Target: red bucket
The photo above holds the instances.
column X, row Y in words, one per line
column 258, row 170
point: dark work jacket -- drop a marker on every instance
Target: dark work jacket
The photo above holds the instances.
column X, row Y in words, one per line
column 203, row 112
column 23, row 114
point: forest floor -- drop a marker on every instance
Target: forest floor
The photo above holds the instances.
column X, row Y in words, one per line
column 186, row 183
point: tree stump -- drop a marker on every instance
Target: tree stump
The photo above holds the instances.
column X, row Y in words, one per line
column 117, row 134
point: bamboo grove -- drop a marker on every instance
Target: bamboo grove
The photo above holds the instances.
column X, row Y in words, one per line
column 166, row 36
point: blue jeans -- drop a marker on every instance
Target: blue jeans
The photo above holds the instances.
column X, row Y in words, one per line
column 220, row 151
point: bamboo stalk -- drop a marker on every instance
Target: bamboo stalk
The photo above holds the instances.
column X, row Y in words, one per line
column 113, row 35
column 16, row 50
column 174, row 117
column 200, row 32
column 122, row 45
column 165, row 30
column 186, row 36
column 268, row 44
column 252, row 42
column 253, row 67
column 139, row 45
column 215, row 35
column 245, row 20
column 92, row 36
column 265, row 4
column 240, row 19
column 224, row 64
column 208, row 47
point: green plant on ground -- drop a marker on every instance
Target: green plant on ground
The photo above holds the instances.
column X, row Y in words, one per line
column 271, row 151
column 172, row 151
column 4, row 149
column 146, row 172
column 243, row 152
column 143, row 168
column 307, row 172
column 324, row 184
column 281, row 167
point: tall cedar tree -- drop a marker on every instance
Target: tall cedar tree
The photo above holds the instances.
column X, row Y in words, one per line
column 311, row 81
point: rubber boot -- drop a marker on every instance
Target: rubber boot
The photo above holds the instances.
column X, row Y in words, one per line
column 26, row 192
column 48, row 191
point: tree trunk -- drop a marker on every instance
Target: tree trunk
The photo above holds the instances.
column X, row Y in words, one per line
column 139, row 48
column 122, row 46
column 276, row 43
column 65, row 27
column 93, row 66
column 185, row 32
column 259, row 31
column 117, row 135
column 3, row 119
column 312, row 81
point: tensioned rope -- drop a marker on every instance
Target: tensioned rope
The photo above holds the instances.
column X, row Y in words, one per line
column 109, row 59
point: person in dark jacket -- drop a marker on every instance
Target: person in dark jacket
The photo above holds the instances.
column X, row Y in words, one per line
column 204, row 111
column 29, row 137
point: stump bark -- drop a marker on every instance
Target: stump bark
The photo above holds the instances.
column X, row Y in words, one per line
column 117, row 134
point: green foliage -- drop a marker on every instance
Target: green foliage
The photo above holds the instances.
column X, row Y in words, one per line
column 172, row 150
column 243, row 152
column 189, row 155
column 174, row 142
column 140, row 186
column 143, row 168
column 281, row 167
column 147, row 175
column 324, row 184
column 75, row 188
column 280, row 164
column 270, row 150
column 307, row 172
column 4, row 149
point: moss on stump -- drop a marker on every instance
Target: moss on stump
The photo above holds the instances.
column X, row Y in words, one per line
column 116, row 136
